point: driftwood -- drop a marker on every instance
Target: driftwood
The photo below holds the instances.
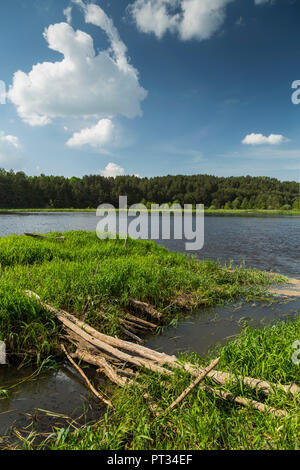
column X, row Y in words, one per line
column 244, row 401
column 131, row 334
column 90, row 386
column 35, row 235
column 146, row 353
column 137, row 320
column 103, row 351
column 102, row 364
column 222, row 378
column 146, row 308
column 194, row 384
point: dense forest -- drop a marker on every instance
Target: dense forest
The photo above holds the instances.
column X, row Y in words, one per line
column 18, row 191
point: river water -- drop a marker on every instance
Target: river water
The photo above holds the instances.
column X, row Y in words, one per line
column 267, row 243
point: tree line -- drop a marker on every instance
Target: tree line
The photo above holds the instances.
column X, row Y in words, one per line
column 19, row 191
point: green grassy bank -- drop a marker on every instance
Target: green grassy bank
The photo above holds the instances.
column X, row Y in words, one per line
column 66, row 274
column 202, row 421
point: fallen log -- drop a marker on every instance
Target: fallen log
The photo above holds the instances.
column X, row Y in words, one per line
column 245, row 401
column 146, row 308
column 102, row 365
column 141, row 321
column 222, row 378
column 132, row 335
column 134, row 327
column 194, row 384
column 147, row 353
column 36, row 235
column 90, row 386
column 151, row 359
column 94, row 341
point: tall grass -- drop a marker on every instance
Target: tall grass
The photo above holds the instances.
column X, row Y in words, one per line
column 66, row 274
column 202, row 421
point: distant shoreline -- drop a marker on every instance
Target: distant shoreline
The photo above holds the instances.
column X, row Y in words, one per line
column 217, row 212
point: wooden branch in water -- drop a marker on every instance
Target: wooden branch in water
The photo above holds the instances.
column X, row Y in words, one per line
column 146, row 308
column 134, row 327
column 131, row 335
column 151, row 359
column 35, row 235
column 103, row 366
column 90, row 386
column 194, row 384
column 141, row 321
column 75, row 325
column 147, row 353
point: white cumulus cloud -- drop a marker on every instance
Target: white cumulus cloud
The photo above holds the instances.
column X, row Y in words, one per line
column 84, row 83
column 101, row 136
column 190, row 19
column 260, row 139
column 68, row 14
column 112, row 169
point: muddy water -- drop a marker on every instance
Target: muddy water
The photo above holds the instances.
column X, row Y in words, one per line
column 54, row 398
column 210, row 327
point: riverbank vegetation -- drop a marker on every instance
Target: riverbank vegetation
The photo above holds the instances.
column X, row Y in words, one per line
column 233, row 193
column 96, row 280
column 68, row 273
column 202, row 421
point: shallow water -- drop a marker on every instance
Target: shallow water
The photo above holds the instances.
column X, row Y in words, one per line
column 59, row 391
column 210, row 327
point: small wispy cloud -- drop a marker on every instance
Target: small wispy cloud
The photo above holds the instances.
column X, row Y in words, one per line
column 112, row 170
column 10, row 150
column 260, row 139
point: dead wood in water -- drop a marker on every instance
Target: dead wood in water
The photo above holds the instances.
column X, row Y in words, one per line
column 90, row 386
column 103, row 366
column 111, row 356
column 256, row 405
column 140, row 321
column 146, row 308
column 194, row 384
column 35, row 235
column 131, row 335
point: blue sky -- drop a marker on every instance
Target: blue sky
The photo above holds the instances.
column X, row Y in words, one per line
column 150, row 87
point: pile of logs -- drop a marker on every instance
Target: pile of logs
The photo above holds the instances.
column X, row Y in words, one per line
column 122, row 361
